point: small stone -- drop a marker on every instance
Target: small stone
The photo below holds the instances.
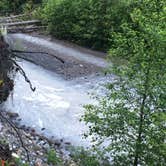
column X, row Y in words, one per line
column 33, row 131
column 12, row 115
column 23, row 127
column 81, row 65
column 57, row 143
column 67, row 143
column 28, row 129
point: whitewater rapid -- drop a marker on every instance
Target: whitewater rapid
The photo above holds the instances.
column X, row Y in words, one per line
column 56, row 105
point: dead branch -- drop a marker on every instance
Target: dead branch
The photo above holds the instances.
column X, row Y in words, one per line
column 26, row 59
column 23, row 74
column 31, row 52
column 2, row 117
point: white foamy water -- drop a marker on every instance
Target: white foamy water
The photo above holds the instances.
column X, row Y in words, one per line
column 56, row 104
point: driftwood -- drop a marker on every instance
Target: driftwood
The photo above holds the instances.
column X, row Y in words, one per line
column 14, row 16
column 32, row 52
column 22, row 23
column 25, row 29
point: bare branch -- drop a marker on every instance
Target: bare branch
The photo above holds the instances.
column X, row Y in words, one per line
column 24, row 75
column 2, row 117
column 27, row 52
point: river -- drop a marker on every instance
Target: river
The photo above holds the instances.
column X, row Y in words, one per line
column 56, row 105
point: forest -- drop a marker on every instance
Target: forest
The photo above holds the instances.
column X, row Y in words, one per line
column 127, row 123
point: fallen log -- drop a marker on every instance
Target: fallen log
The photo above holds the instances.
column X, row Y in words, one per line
column 25, row 29
column 14, row 16
column 22, row 23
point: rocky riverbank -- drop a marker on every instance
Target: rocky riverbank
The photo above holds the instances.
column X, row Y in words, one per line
column 27, row 140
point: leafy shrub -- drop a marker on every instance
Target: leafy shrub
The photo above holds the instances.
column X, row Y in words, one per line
column 132, row 114
column 86, row 22
column 86, row 158
column 18, row 162
column 52, row 158
column 10, row 6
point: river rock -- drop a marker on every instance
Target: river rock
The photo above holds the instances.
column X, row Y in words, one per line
column 38, row 162
column 12, row 115
column 67, row 143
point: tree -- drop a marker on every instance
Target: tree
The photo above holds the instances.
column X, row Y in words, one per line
column 16, row 6
column 132, row 115
column 86, row 22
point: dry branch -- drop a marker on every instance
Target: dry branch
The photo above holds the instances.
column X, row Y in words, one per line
column 31, row 52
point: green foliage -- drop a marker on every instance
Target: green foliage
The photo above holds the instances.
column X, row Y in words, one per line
column 3, row 142
column 17, row 6
column 52, row 158
column 132, row 115
column 18, row 162
column 84, row 157
column 4, row 6
column 86, row 22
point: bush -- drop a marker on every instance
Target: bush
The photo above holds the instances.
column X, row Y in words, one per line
column 83, row 157
column 86, row 22
column 132, row 114
column 52, row 158
column 10, row 6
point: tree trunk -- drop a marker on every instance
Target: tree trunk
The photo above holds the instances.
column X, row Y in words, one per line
column 141, row 119
column 6, row 66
